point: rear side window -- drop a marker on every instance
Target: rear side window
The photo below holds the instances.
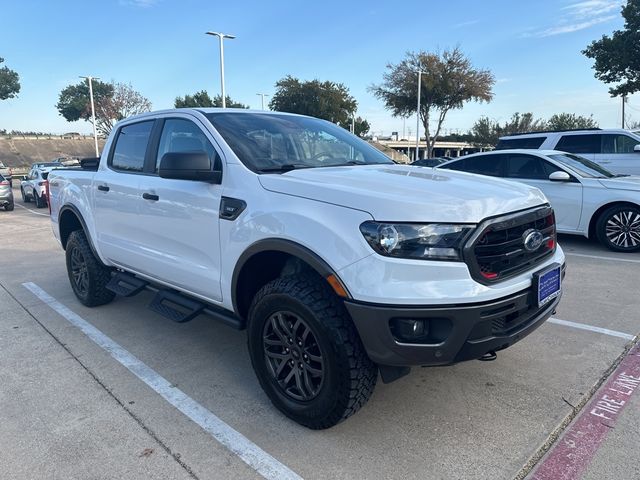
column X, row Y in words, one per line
column 618, row 143
column 131, row 147
column 579, row 143
column 492, row 165
column 526, row 166
column 530, row 143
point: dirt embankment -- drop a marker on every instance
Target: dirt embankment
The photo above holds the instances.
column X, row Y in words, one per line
column 20, row 152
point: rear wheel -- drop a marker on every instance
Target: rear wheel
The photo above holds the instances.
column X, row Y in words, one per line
column 87, row 275
column 306, row 352
column 618, row 228
column 40, row 203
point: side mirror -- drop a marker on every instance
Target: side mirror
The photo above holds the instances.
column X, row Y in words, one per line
column 189, row 166
column 24, row 178
column 560, row 176
column 636, row 148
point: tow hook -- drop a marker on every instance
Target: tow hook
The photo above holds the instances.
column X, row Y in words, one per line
column 488, row 357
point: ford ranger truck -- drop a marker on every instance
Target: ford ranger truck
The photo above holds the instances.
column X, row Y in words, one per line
column 339, row 263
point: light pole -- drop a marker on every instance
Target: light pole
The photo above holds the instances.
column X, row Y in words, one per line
column 93, row 112
column 420, row 72
column 262, row 95
column 221, row 37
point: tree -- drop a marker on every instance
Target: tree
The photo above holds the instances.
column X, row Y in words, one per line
column 448, row 82
column 361, row 127
column 113, row 102
column 202, row 99
column 485, row 132
column 523, row 123
column 570, row 121
column 9, row 82
column 327, row 100
column 617, row 58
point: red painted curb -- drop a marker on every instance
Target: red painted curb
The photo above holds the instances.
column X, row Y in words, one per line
column 569, row 458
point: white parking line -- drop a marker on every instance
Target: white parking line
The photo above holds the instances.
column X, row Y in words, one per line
column 32, row 211
column 591, row 328
column 249, row 452
column 598, row 257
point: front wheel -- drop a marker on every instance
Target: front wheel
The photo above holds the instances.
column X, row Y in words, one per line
column 25, row 197
column 40, row 203
column 618, row 228
column 9, row 207
column 87, row 275
column 306, row 352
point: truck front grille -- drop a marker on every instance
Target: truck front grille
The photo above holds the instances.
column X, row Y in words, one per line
column 498, row 251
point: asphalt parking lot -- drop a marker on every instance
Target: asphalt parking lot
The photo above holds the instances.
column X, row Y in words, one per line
column 119, row 392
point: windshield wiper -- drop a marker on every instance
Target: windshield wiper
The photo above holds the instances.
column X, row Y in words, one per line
column 621, row 175
column 287, row 167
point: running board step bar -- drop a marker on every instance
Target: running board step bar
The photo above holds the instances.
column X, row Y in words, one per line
column 175, row 306
column 126, row 285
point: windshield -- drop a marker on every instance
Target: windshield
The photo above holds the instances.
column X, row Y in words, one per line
column 582, row 166
column 277, row 143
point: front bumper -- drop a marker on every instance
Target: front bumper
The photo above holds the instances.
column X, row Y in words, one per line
column 464, row 332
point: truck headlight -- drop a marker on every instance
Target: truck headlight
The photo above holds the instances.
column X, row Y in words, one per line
column 431, row 241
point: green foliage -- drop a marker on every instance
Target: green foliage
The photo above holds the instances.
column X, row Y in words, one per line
column 617, row 58
column 202, row 99
column 9, row 82
column 485, row 132
column 327, row 100
column 113, row 102
column 448, row 82
column 569, row 121
column 522, row 123
column 361, row 127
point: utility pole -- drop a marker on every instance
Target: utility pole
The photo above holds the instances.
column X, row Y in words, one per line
column 624, row 100
column 420, row 72
column 93, row 112
column 262, row 95
column 221, row 37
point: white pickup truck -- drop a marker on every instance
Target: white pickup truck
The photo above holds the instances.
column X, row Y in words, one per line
column 339, row 263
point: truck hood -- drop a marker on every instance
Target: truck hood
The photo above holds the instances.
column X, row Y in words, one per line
column 631, row 182
column 407, row 194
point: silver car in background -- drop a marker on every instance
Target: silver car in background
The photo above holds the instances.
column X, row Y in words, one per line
column 6, row 194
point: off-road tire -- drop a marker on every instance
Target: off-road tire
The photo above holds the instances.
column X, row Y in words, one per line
column 349, row 375
column 626, row 214
column 93, row 292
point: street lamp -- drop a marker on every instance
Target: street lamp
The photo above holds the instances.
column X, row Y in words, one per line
column 420, row 72
column 221, row 37
column 262, row 95
column 93, row 112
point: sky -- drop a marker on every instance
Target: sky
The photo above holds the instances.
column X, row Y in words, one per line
column 160, row 48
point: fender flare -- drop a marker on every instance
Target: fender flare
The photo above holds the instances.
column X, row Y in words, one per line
column 285, row 246
column 73, row 209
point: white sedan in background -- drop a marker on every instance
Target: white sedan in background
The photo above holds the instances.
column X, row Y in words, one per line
column 588, row 199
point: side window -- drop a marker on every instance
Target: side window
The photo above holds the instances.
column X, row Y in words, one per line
column 180, row 135
column 549, row 168
column 530, row 143
column 486, row 165
column 579, row 143
column 131, row 146
column 526, row 166
column 618, row 144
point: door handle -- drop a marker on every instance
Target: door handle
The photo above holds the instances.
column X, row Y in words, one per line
column 150, row 196
column 103, row 188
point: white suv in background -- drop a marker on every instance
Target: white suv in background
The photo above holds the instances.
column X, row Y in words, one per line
column 616, row 149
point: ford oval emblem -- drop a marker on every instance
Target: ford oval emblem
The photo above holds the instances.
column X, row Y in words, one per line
column 532, row 240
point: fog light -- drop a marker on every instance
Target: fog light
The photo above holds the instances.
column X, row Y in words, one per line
column 410, row 330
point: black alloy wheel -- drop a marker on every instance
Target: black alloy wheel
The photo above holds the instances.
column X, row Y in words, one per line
column 293, row 355
column 79, row 272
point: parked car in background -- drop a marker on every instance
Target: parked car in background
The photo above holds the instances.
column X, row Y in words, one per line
column 429, row 162
column 617, row 150
column 6, row 194
column 587, row 198
column 34, row 186
column 6, row 173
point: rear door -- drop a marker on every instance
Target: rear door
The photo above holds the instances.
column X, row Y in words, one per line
column 116, row 196
column 617, row 154
column 180, row 217
column 564, row 197
column 586, row 145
